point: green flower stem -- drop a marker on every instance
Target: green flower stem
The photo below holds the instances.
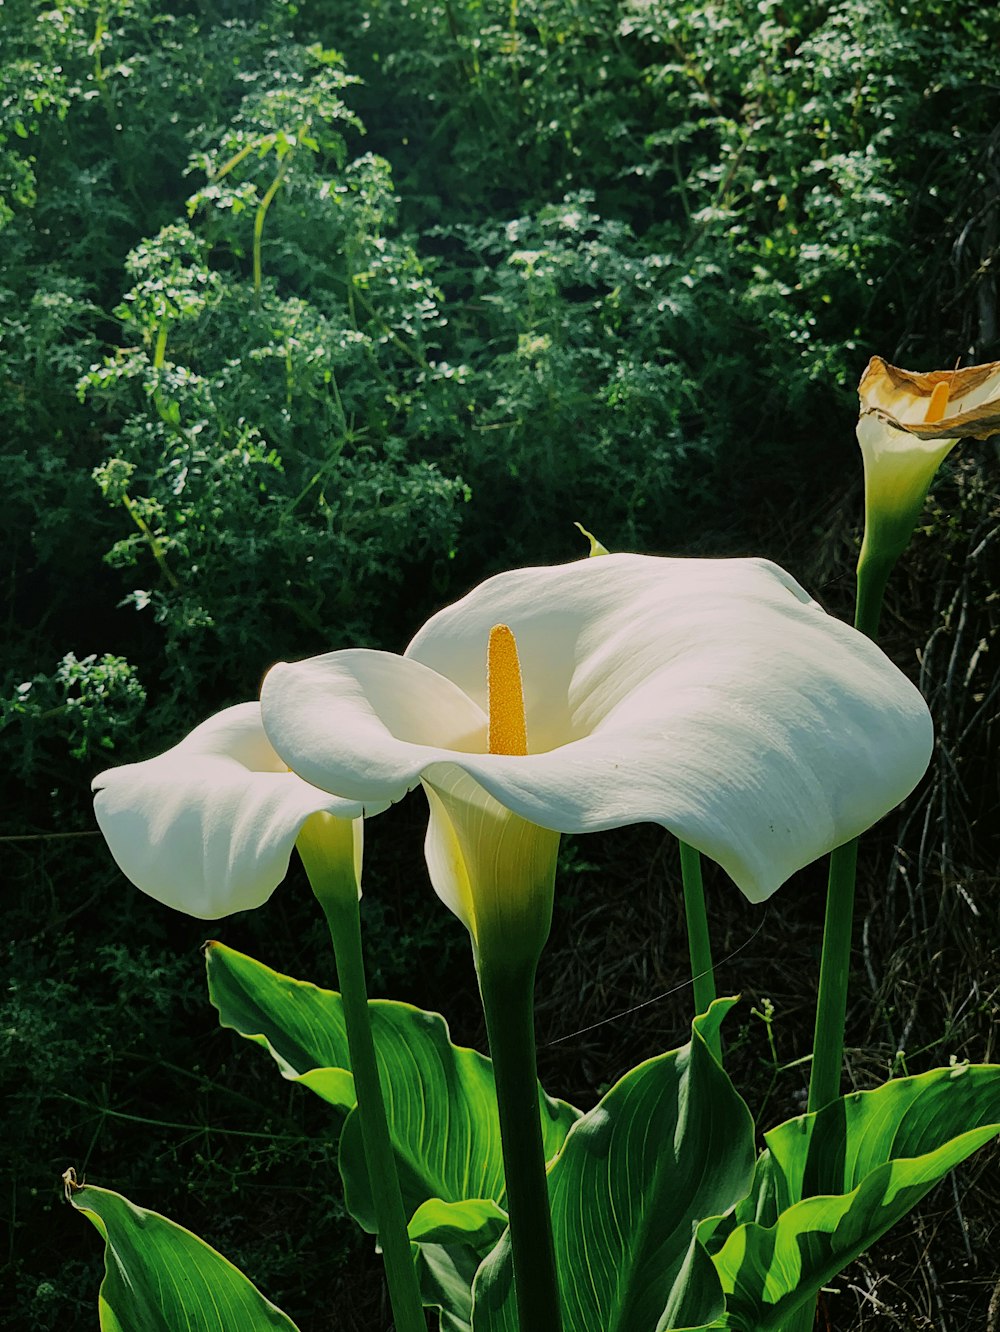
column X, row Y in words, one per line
column 699, row 944
column 330, row 866
column 834, row 973
column 873, row 575
column 508, row 1001
column 345, row 931
column 835, row 963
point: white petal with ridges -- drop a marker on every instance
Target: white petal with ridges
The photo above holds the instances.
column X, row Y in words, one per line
column 382, row 714
column 711, row 696
column 208, row 827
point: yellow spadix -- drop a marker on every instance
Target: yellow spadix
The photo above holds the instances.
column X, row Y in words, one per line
column 507, row 732
column 938, row 404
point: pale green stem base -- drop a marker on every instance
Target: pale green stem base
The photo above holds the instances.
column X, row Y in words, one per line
column 327, row 854
column 699, row 944
column 508, row 1002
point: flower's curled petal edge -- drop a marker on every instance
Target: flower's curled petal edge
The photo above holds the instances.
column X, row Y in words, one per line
column 903, row 396
column 208, row 826
column 362, row 723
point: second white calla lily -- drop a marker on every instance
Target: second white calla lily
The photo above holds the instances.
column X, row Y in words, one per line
column 714, row 697
column 208, row 827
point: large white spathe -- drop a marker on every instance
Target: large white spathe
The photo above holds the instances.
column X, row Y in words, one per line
column 714, row 697
column 208, row 827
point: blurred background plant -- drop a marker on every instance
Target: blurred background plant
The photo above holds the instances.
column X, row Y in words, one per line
column 313, row 315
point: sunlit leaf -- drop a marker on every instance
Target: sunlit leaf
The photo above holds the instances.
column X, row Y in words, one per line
column 160, row 1277
column 833, row 1183
column 440, row 1098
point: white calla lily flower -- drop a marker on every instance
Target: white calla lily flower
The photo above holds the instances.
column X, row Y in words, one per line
column 713, row 697
column 899, row 469
column 208, row 827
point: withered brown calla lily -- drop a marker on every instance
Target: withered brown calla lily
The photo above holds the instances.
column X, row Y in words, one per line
column 909, row 423
column 936, row 404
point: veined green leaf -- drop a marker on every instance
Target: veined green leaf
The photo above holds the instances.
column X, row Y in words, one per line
column 160, row 1277
column 668, row 1145
column 441, row 1103
column 445, row 1274
column 440, row 1098
column 832, row 1183
column 478, row 1222
column 300, row 1025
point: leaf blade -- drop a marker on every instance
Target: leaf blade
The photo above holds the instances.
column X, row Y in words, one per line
column 162, row 1277
column 440, row 1098
column 300, row 1025
column 441, row 1103
column 836, row 1187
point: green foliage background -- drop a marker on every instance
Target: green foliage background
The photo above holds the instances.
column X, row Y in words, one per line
column 311, row 315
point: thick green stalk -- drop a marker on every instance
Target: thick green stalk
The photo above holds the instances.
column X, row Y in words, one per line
column 508, row 1002
column 831, row 1007
column 873, row 575
column 699, row 944
column 345, row 931
column 835, row 963
column 329, row 863
column 834, row 974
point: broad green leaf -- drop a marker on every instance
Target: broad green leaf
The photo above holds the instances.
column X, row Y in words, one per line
column 300, row 1025
column 833, row 1183
column 440, row 1098
column 670, row 1144
column 441, row 1105
column 760, row 1205
column 478, row 1222
column 452, row 1239
column 161, row 1278
column 445, row 1274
